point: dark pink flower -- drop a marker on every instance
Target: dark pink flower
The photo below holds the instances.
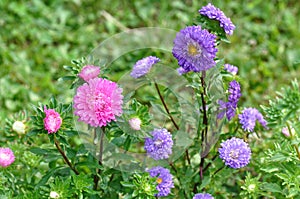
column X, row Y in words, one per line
column 52, row 121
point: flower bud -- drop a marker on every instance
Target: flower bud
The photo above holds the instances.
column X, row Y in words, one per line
column 19, row 127
column 135, row 123
column 54, row 194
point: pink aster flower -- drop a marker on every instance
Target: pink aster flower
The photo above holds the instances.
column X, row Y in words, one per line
column 52, row 121
column 7, row 157
column 89, row 72
column 98, row 102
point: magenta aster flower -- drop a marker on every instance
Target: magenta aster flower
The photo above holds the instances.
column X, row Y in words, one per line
column 160, row 145
column 7, row 157
column 203, row 196
column 216, row 14
column 52, row 121
column 231, row 69
column 89, row 72
column 143, row 66
column 195, row 49
column 235, row 152
column 98, row 102
column 248, row 119
column 164, row 180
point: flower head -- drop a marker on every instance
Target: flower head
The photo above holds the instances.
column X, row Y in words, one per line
column 235, row 152
column 143, row 66
column 203, row 196
column 160, row 145
column 216, row 14
column 135, row 123
column 52, row 121
column 98, row 102
column 164, row 180
column 248, row 119
column 231, row 69
column 195, row 49
column 19, row 127
column 7, row 157
column 89, row 72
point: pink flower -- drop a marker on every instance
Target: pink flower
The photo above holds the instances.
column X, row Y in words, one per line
column 89, row 72
column 135, row 123
column 7, row 157
column 52, row 121
column 98, row 102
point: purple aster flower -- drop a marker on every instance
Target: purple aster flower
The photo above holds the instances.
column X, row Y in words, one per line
column 203, row 196
column 231, row 69
column 195, row 49
column 248, row 119
column 216, row 14
column 164, row 180
column 235, row 152
column 143, row 66
column 160, row 145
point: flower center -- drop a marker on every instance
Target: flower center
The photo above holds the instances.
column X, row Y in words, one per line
column 192, row 50
column 159, row 180
column 4, row 157
column 158, row 142
column 234, row 154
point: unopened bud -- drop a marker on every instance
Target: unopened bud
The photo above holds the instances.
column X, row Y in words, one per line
column 54, row 194
column 135, row 123
column 19, row 127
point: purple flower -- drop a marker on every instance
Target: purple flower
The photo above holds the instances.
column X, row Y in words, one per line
column 195, row 49
column 248, row 119
column 216, row 14
column 143, row 66
column 203, row 196
column 7, row 157
column 231, row 69
column 160, row 145
column 235, row 152
column 164, row 180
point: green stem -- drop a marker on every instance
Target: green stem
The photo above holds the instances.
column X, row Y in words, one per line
column 96, row 176
column 292, row 136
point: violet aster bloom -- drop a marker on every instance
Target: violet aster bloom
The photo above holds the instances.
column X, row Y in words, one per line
column 203, row 196
column 231, row 69
column 7, row 157
column 164, row 180
column 89, row 72
column 160, row 145
column 98, row 102
column 52, row 121
column 235, row 152
column 143, row 66
column 248, row 119
column 214, row 13
column 195, row 49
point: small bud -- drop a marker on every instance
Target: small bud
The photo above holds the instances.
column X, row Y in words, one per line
column 251, row 187
column 19, row 127
column 135, row 123
column 285, row 131
column 54, row 194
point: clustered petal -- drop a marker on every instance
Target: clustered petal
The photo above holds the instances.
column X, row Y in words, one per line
column 159, row 146
column 216, row 14
column 52, row 121
column 203, row 196
column 195, row 49
column 89, row 72
column 231, row 69
column 164, row 180
column 7, row 157
column 98, row 102
column 143, row 66
column 248, row 119
column 235, row 152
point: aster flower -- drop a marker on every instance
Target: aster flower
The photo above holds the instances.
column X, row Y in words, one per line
column 7, row 157
column 19, row 127
column 203, row 196
column 160, row 145
column 231, row 69
column 98, row 102
column 135, row 123
column 164, row 180
column 195, row 49
column 235, row 152
column 89, row 72
column 214, row 13
column 52, row 121
column 248, row 119
column 143, row 66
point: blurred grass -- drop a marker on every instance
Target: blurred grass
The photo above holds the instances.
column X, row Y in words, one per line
column 38, row 37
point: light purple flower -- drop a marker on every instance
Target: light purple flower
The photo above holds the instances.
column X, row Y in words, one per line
column 52, row 121
column 195, row 49
column 203, row 196
column 235, row 152
column 164, row 180
column 143, row 66
column 216, row 14
column 7, row 157
column 248, row 119
column 231, row 69
column 89, row 72
column 159, row 146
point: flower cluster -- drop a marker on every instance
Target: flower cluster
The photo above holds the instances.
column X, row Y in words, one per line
column 248, row 119
column 203, row 196
column 231, row 69
column 214, row 13
column 164, row 180
column 52, row 121
column 7, row 157
column 143, row 66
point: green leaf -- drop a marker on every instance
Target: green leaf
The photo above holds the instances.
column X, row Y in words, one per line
column 271, row 187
